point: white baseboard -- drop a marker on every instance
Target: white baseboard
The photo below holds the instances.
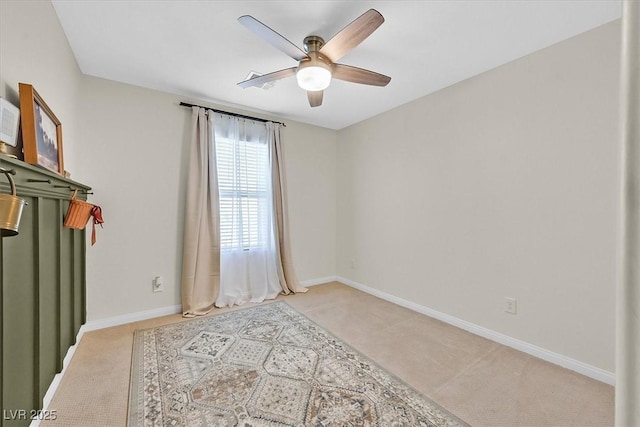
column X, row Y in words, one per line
column 93, row 325
column 319, row 281
column 539, row 352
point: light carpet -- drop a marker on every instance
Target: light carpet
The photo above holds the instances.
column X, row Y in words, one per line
column 267, row 365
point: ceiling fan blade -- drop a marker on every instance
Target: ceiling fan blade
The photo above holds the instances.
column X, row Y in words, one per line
column 266, row 78
column 315, row 97
column 352, row 35
column 359, row 75
column 273, row 38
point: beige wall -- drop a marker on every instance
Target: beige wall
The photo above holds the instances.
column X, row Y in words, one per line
column 501, row 186
column 310, row 168
column 34, row 50
column 134, row 151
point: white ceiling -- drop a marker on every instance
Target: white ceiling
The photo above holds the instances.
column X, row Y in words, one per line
column 199, row 50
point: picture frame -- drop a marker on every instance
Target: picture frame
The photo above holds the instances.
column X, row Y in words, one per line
column 41, row 131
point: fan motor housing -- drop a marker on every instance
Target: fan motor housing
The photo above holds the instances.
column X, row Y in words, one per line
column 313, row 43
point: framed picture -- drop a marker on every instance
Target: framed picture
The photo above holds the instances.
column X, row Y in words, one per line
column 41, row 131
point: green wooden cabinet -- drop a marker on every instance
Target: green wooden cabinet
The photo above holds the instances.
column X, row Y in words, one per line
column 42, row 276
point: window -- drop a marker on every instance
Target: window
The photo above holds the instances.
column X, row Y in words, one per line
column 245, row 193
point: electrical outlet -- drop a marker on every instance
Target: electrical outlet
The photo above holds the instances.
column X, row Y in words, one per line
column 510, row 305
column 158, row 284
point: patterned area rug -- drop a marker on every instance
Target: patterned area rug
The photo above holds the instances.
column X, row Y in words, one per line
column 266, row 365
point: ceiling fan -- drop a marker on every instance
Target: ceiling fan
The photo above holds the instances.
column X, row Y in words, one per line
column 317, row 63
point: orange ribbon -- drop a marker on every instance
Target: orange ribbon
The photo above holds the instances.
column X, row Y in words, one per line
column 96, row 213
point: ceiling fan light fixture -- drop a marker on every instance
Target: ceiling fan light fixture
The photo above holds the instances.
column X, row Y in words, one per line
column 313, row 77
column 317, row 63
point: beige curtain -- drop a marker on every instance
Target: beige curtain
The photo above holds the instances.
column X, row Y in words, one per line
column 628, row 296
column 286, row 273
column 201, row 252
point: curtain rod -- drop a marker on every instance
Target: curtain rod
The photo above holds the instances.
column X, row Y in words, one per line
column 186, row 104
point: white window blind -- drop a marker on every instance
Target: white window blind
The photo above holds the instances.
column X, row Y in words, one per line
column 244, row 188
